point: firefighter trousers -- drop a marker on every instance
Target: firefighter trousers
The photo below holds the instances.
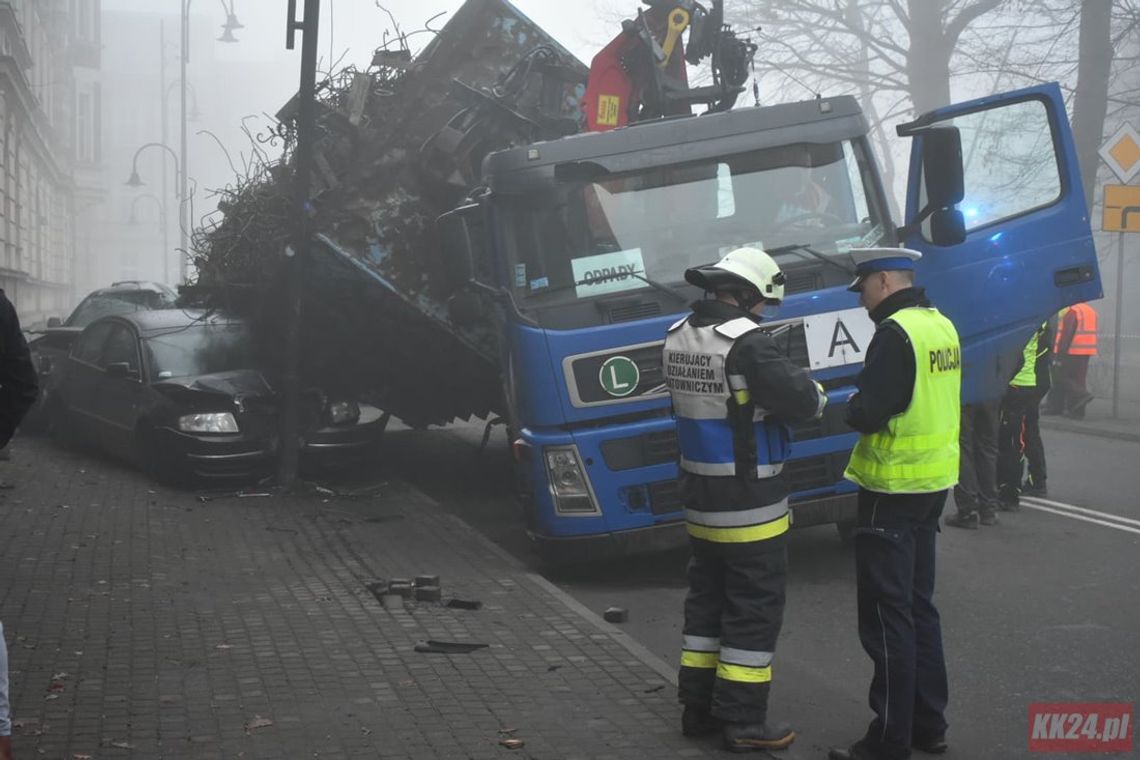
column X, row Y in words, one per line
column 899, row 625
column 733, row 613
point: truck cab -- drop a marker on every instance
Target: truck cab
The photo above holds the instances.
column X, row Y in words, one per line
column 579, row 246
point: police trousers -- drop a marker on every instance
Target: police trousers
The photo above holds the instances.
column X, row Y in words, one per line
column 898, row 622
column 733, row 614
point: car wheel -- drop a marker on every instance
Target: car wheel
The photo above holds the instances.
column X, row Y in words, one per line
column 156, row 460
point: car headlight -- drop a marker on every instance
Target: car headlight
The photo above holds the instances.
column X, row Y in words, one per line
column 343, row 413
column 568, row 481
column 213, row 422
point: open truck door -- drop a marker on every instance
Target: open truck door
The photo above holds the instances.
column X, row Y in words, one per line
column 996, row 206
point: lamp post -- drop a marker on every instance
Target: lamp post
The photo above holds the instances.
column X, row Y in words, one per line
column 179, row 180
column 297, row 254
column 227, row 36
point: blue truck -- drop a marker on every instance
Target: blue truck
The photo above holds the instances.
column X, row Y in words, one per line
column 574, row 249
column 482, row 255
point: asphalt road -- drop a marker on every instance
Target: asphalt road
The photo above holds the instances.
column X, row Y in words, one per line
column 1040, row 608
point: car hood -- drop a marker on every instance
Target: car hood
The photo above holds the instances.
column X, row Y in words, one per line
column 235, row 384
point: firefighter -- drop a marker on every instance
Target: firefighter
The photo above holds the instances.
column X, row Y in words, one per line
column 733, row 392
column 1075, row 345
column 1020, row 429
column 907, row 409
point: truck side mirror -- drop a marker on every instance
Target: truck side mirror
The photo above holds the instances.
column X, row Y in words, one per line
column 947, row 227
column 942, row 167
column 54, row 322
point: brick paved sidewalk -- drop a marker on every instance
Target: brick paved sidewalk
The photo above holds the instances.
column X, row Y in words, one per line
column 144, row 623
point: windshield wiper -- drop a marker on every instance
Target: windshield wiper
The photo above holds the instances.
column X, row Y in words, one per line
column 802, row 248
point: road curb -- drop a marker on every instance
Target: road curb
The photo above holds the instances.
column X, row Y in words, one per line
column 1071, row 427
column 666, row 671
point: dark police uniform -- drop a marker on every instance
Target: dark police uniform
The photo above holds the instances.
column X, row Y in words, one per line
column 907, row 409
column 733, row 390
column 19, row 386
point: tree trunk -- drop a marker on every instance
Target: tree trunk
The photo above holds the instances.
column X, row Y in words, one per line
column 1090, row 105
column 928, row 56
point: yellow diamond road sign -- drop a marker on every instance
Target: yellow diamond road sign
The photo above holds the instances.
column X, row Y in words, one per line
column 1122, row 153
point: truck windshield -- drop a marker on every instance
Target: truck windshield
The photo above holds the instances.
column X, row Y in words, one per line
column 580, row 239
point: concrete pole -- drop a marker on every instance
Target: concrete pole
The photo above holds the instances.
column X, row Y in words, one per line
column 184, row 201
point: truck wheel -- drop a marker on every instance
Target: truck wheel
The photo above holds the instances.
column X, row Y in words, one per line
column 846, row 532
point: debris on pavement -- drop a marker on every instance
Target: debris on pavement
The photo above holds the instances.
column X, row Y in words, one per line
column 431, row 646
column 464, row 604
column 428, row 593
column 512, row 743
column 616, row 615
column 427, row 580
column 258, row 722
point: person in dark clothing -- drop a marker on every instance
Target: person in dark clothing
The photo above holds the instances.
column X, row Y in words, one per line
column 19, row 386
column 907, row 411
column 976, row 495
column 1020, row 422
column 733, row 392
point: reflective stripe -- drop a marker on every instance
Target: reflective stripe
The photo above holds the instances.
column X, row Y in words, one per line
column 734, row 328
column 728, row 468
column 706, row 660
column 742, row 535
column 915, row 442
column 738, row 382
column 822, row 402
column 743, row 673
column 735, row 518
column 748, row 657
column 919, row 470
column 700, row 643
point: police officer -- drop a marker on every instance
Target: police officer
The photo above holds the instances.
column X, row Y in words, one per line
column 733, row 391
column 907, row 409
column 1020, row 423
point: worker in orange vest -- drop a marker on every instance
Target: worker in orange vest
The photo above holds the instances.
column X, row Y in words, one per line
column 1075, row 344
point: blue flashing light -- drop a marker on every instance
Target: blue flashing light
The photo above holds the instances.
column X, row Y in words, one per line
column 970, row 212
column 996, row 237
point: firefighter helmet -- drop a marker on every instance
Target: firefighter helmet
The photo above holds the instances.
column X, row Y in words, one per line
column 743, row 267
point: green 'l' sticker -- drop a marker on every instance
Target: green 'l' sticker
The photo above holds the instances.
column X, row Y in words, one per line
column 619, row 376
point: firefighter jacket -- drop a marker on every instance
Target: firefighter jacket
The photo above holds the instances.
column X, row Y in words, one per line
column 916, row 451
column 1076, row 333
column 734, row 391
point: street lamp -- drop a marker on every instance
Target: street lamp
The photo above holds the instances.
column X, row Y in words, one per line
column 232, row 24
column 133, row 219
column 179, row 180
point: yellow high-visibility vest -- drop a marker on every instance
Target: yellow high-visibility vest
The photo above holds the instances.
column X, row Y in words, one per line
column 917, row 452
column 1026, row 377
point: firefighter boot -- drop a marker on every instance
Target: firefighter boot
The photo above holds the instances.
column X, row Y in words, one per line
column 698, row 722
column 967, row 520
column 749, row 737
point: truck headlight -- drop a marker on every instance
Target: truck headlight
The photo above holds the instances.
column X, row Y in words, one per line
column 343, row 413
column 568, row 482
column 213, row 422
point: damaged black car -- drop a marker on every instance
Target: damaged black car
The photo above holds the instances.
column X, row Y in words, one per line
column 181, row 393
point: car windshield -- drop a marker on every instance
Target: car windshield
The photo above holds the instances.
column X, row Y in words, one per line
column 100, row 305
column 603, row 235
column 200, row 349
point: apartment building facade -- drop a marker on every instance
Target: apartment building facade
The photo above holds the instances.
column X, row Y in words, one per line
column 50, row 149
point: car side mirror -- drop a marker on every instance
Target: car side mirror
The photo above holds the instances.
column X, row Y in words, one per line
column 121, row 369
column 54, row 322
